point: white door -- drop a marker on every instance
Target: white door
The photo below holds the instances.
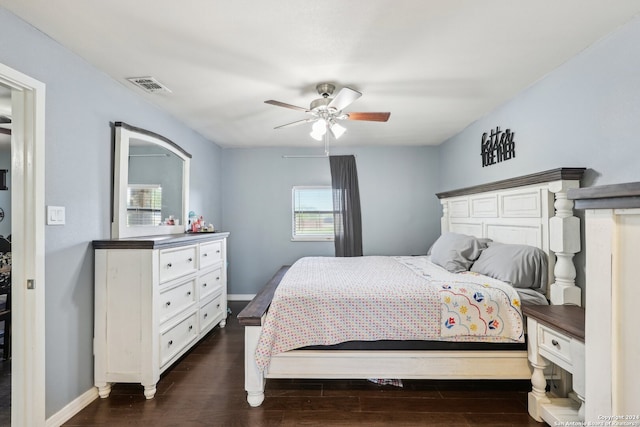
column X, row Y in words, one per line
column 27, row 202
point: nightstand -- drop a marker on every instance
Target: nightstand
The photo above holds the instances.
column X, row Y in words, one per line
column 556, row 335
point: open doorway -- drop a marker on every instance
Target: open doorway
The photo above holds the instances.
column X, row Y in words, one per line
column 26, row 179
column 5, row 255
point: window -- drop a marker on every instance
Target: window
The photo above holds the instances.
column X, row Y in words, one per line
column 312, row 213
column 144, row 204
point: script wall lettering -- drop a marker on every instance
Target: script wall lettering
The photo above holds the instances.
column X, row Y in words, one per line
column 497, row 146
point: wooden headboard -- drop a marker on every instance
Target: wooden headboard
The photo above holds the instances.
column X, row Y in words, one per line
column 532, row 210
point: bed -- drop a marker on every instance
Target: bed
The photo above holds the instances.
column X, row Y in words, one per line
column 529, row 211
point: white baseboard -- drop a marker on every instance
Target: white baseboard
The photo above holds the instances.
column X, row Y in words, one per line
column 75, row 406
column 240, row 297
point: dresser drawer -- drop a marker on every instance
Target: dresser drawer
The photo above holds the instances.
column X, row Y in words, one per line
column 211, row 312
column 177, row 338
column 210, row 253
column 555, row 346
column 210, row 283
column 177, row 298
column 178, row 262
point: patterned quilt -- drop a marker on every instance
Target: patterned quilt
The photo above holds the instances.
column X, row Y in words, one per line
column 326, row 301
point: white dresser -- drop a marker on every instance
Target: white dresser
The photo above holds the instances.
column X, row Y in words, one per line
column 155, row 297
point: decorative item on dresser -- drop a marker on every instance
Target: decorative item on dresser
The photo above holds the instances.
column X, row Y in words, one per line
column 612, row 236
column 532, row 210
column 155, row 297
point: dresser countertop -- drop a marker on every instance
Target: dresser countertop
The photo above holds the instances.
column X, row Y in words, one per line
column 160, row 241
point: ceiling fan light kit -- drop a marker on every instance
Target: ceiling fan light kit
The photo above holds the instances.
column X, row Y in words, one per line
column 326, row 111
column 318, row 130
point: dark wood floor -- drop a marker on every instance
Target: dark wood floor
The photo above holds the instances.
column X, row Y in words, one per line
column 206, row 388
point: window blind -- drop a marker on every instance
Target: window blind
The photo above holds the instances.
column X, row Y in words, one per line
column 144, row 205
column 312, row 212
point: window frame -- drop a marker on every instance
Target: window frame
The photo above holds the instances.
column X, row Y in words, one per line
column 308, row 238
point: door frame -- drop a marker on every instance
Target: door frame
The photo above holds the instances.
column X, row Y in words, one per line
column 28, row 395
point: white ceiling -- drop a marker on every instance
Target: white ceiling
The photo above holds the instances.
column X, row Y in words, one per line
column 436, row 65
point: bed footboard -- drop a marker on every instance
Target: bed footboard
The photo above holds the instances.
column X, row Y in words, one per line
column 251, row 318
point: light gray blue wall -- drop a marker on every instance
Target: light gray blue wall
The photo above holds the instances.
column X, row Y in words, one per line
column 400, row 213
column 80, row 104
column 584, row 114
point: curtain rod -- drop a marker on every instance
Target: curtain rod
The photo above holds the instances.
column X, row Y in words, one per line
column 311, row 156
column 302, row 156
column 149, row 155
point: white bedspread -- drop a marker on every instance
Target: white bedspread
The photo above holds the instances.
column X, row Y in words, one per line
column 326, row 300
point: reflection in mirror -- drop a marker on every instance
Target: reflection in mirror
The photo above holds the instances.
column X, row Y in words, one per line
column 151, row 176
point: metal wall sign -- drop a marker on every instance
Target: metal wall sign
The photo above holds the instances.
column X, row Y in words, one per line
column 497, row 146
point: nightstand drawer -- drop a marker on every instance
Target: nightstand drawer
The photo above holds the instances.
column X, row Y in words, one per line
column 555, row 346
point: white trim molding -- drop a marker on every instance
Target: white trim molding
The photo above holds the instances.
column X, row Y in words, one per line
column 73, row 408
column 28, row 384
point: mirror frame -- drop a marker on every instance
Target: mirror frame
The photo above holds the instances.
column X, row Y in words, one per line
column 123, row 133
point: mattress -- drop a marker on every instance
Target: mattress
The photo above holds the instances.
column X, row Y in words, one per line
column 324, row 301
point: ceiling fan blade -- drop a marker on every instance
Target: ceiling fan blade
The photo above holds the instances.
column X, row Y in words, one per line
column 285, row 105
column 345, row 97
column 298, row 122
column 371, row 117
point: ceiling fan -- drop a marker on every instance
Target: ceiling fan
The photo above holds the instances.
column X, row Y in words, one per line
column 326, row 112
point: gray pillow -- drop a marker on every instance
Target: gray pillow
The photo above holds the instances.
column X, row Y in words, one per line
column 521, row 266
column 456, row 252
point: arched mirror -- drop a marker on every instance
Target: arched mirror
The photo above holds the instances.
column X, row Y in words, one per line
column 150, row 184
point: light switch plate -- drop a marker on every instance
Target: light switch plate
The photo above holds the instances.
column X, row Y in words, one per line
column 55, row 215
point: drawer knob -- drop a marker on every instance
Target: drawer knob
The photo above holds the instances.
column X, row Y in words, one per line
column 217, row 278
column 189, row 293
column 168, row 303
column 218, row 306
column 170, row 343
column 189, row 259
column 218, row 251
column 205, row 315
column 190, row 327
column 169, row 265
column 205, row 254
column 204, row 285
column 555, row 343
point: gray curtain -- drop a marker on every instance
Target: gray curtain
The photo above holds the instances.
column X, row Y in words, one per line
column 347, row 219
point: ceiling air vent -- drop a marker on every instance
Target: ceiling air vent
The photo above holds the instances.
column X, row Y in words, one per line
column 149, row 84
